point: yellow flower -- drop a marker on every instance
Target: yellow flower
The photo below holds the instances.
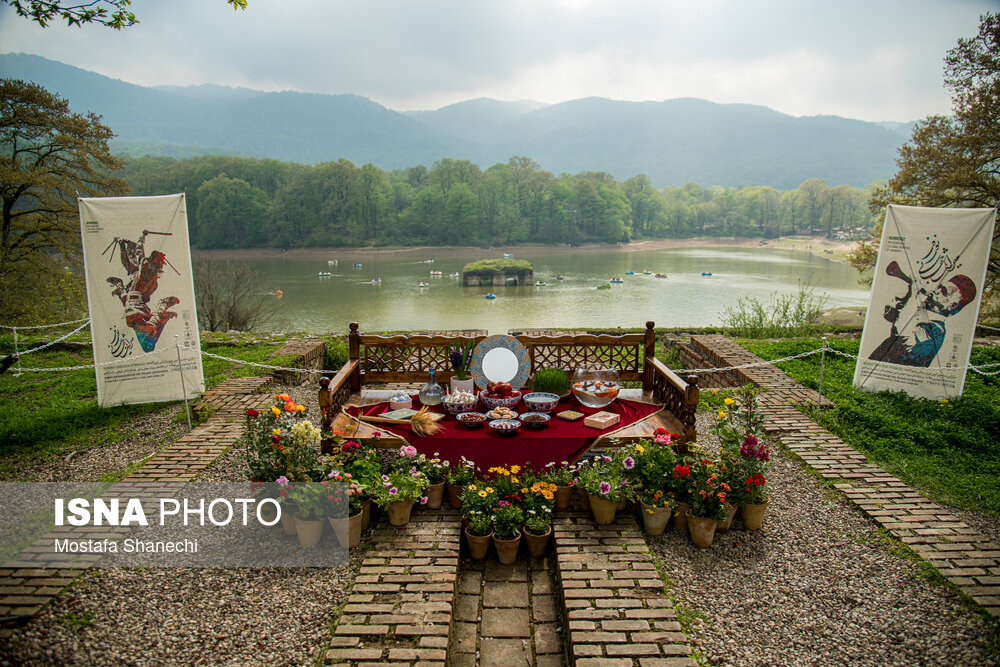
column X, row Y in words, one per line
column 300, row 408
column 276, row 431
column 729, row 401
column 514, row 469
column 276, row 411
column 482, row 494
column 472, row 487
column 524, row 490
column 489, row 489
column 722, row 414
column 514, row 480
column 640, row 449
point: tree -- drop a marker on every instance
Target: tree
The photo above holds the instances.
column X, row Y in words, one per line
column 48, row 157
column 110, row 13
column 954, row 161
column 230, row 295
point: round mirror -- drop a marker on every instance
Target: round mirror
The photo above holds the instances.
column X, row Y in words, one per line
column 500, row 365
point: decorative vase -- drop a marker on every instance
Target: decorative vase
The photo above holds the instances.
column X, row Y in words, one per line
column 507, row 549
column 537, row 543
column 455, row 495
column 310, row 531
column 680, row 516
column 399, row 512
column 654, row 519
column 366, row 513
column 724, row 523
column 288, row 520
column 753, row 515
column 603, row 510
column 563, row 494
column 467, row 385
column 702, row 530
column 584, row 500
column 478, row 544
column 435, row 494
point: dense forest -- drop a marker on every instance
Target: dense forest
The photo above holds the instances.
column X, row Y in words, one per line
column 242, row 203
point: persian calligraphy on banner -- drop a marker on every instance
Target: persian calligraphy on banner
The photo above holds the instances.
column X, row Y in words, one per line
column 925, row 300
column 140, row 291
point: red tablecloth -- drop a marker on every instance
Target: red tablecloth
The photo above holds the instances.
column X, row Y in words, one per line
column 560, row 441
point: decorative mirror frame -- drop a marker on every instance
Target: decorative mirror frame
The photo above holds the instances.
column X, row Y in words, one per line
column 501, row 342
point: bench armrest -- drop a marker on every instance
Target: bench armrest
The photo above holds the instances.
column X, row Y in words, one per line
column 679, row 396
column 333, row 394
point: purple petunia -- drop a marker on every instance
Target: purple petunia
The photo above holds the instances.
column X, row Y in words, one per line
column 629, row 463
column 282, row 481
column 423, row 500
column 393, row 491
column 605, row 488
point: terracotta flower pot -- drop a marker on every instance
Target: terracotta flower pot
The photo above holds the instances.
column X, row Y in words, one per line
column 702, row 530
column 584, row 500
column 435, row 494
column 563, row 494
column 366, row 514
column 288, row 520
column 537, row 543
column 342, row 529
column 603, row 510
column 354, row 523
column 478, row 544
column 654, row 519
column 310, row 531
column 753, row 515
column 455, row 495
column 681, row 515
column 399, row 512
column 724, row 523
column 507, row 549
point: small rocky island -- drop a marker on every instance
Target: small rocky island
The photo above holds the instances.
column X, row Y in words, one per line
column 497, row 272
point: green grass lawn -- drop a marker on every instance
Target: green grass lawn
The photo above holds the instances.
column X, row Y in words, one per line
column 948, row 450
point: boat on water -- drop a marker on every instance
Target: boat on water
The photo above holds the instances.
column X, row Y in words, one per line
column 453, row 275
column 560, row 277
column 706, row 273
column 539, row 283
column 508, row 255
column 616, row 280
column 356, row 266
column 646, row 272
column 376, row 281
column 277, row 293
column 428, row 261
column 435, row 273
column 332, row 262
column 630, row 273
column 491, row 295
column 661, row 275
column 325, row 274
column 604, row 286
column 423, row 284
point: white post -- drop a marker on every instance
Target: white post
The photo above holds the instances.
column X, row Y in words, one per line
column 180, row 367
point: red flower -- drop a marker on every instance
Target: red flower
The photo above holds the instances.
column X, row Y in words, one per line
column 251, row 413
column 275, row 439
column 681, row 471
column 661, row 431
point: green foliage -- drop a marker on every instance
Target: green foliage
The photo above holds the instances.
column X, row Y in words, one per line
column 950, row 450
column 109, row 13
column 335, row 353
column 497, row 265
column 782, row 315
column 551, row 380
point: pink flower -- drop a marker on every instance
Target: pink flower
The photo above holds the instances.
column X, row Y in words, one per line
column 629, row 463
column 407, row 451
column 423, row 500
column 605, row 488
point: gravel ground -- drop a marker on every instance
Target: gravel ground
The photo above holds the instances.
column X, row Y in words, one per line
column 817, row 585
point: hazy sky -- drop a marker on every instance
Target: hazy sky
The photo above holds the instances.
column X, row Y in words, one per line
column 871, row 59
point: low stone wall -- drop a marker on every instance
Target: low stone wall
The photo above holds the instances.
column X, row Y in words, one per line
column 498, row 278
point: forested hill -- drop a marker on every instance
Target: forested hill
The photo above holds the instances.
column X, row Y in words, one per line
column 673, row 142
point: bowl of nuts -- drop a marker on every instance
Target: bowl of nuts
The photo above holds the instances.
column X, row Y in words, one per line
column 460, row 402
column 505, row 426
column 501, row 413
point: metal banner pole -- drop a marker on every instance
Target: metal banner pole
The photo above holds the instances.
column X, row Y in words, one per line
column 180, row 367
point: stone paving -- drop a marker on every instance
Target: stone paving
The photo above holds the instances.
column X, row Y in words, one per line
column 25, row 586
column 960, row 553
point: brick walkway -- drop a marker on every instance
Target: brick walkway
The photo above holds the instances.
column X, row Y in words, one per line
column 963, row 555
column 25, row 586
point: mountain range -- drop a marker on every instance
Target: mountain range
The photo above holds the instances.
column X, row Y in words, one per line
column 673, row 141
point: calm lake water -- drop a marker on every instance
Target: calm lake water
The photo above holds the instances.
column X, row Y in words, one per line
column 685, row 298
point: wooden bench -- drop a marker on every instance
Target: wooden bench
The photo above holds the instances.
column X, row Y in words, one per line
column 384, row 360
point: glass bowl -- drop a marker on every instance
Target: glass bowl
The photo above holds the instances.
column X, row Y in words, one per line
column 595, row 387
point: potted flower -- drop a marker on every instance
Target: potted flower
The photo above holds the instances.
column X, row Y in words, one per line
column 459, row 477
column 538, row 503
column 461, row 359
column 311, row 509
column 753, row 501
column 561, row 476
column 478, row 533
column 679, row 491
column 356, row 501
column 436, row 472
column 708, row 502
column 656, row 507
column 397, row 491
column 507, row 521
column 605, row 482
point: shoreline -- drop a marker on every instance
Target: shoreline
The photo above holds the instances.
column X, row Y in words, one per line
column 833, row 250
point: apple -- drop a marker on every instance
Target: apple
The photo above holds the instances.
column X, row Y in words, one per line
column 491, row 388
column 504, row 389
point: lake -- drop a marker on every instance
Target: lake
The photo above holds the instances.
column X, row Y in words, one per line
column 685, row 298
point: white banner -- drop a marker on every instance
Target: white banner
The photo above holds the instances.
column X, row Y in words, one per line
column 141, row 294
column 925, row 300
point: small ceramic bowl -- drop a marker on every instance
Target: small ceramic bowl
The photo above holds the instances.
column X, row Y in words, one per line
column 505, row 426
column 472, row 419
column 456, row 408
column 496, row 402
column 541, row 401
column 535, row 420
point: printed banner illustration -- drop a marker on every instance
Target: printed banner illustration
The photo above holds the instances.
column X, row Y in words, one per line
column 140, row 290
column 925, row 300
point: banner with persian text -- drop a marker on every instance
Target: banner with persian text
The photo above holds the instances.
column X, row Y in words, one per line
column 925, row 299
column 140, row 290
